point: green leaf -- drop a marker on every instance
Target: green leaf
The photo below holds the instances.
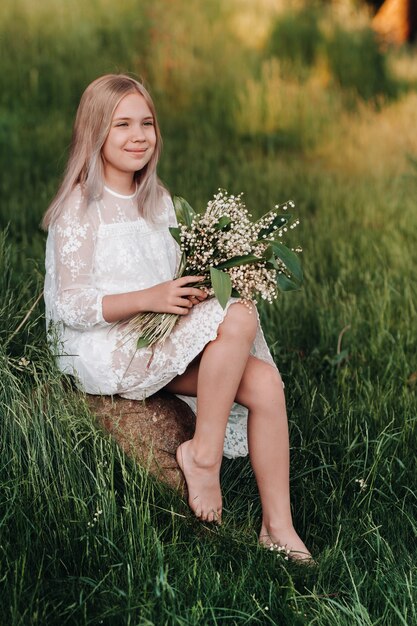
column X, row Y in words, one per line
column 238, row 260
column 143, row 342
column 223, row 222
column 175, row 232
column 181, row 266
column 184, row 212
column 279, row 221
column 272, row 264
column 269, row 256
column 289, row 258
column 222, row 285
column 286, row 284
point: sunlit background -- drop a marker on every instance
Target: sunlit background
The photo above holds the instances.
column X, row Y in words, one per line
column 241, row 87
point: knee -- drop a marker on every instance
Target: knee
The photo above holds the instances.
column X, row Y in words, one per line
column 262, row 386
column 271, row 379
column 240, row 323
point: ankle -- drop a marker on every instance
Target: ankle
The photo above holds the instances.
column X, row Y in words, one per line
column 275, row 527
column 204, row 457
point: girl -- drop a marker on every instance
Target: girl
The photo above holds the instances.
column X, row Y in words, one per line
column 110, row 255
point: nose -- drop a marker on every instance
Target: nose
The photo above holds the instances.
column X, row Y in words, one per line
column 138, row 134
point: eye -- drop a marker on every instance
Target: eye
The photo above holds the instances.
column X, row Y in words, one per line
column 148, row 123
column 121, row 124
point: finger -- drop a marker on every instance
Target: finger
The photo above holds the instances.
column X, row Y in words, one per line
column 179, row 310
column 183, row 302
column 185, row 280
column 195, row 299
column 191, row 291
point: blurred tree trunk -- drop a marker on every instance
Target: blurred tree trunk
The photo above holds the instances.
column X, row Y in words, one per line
column 396, row 21
column 375, row 3
column 412, row 12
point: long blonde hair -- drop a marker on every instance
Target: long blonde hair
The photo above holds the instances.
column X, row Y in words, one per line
column 91, row 127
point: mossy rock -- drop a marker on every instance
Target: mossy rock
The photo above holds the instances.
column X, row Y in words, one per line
column 148, row 430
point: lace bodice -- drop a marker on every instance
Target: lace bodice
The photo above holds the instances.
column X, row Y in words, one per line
column 107, row 248
column 81, row 268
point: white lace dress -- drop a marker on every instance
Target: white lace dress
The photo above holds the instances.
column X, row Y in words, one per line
column 107, row 248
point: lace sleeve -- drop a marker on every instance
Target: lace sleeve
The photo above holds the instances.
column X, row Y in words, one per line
column 78, row 302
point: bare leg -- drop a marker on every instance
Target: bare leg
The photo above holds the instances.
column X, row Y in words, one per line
column 215, row 380
column 262, row 392
column 226, row 373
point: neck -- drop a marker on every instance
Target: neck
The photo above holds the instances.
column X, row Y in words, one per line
column 124, row 185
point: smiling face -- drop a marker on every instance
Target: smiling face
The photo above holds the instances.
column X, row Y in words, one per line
column 130, row 143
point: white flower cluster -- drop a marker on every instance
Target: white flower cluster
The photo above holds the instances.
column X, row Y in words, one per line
column 362, row 483
column 226, row 231
column 237, row 257
column 281, row 550
column 95, row 518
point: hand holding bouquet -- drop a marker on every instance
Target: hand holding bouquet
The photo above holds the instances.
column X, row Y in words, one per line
column 236, row 256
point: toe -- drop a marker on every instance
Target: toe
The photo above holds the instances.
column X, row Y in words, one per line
column 195, row 506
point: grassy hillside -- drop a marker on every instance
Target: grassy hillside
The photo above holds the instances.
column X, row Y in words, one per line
column 273, row 104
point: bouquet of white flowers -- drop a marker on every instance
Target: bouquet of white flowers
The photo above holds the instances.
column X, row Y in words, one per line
column 237, row 257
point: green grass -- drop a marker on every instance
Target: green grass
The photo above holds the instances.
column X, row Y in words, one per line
column 346, row 346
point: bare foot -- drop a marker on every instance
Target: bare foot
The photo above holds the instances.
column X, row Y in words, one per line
column 203, row 483
column 286, row 541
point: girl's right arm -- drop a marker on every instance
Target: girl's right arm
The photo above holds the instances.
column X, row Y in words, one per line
column 172, row 296
column 70, row 293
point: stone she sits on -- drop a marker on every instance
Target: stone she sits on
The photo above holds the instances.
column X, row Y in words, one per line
column 148, row 431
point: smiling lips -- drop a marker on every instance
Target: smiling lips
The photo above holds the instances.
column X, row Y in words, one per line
column 136, row 151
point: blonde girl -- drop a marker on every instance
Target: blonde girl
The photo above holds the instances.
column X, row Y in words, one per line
column 110, row 255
